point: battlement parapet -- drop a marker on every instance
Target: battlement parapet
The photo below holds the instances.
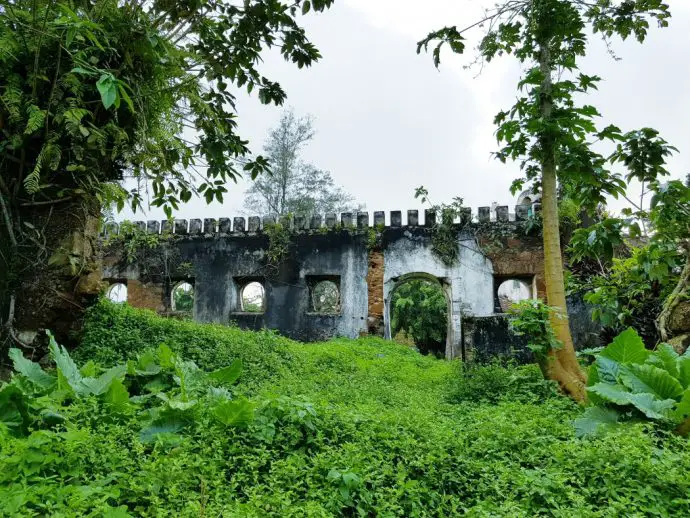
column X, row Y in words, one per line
column 241, row 225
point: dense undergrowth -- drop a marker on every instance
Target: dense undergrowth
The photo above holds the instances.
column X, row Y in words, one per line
column 347, row 427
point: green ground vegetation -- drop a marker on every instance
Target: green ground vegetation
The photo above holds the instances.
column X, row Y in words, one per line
column 343, row 428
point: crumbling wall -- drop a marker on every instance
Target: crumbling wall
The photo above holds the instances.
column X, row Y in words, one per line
column 367, row 263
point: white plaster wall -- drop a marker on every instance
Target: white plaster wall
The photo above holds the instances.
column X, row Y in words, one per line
column 468, row 283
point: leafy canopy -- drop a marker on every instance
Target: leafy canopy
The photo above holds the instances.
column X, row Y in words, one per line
column 95, row 91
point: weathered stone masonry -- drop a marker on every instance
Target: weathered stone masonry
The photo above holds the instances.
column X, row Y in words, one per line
column 366, row 262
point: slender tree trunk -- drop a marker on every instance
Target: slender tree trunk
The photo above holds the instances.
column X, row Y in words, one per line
column 561, row 364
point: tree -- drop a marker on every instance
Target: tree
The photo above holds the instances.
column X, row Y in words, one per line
column 419, row 308
column 292, row 185
column 92, row 91
column 550, row 134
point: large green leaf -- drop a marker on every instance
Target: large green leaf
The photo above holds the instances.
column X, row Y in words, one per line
column 13, row 410
column 616, row 394
column 651, row 380
column 100, row 385
column 596, row 420
column 64, row 363
column 682, row 410
column 117, row 396
column 607, row 369
column 31, row 370
column 165, row 424
column 651, row 406
column 627, row 347
column 684, row 371
column 227, row 375
column 665, row 357
column 107, row 87
column 239, row 412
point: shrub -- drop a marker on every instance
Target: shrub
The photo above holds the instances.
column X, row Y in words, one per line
column 494, row 382
column 114, row 333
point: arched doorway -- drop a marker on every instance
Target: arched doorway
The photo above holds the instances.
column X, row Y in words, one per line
column 417, row 311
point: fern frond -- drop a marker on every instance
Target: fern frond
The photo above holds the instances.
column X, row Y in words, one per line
column 35, row 119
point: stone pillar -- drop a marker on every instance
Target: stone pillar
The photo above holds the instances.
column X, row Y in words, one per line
column 362, row 219
column 396, row 218
column 484, row 214
column 180, row 226
column 153, row 226
column 502, row 213
column 224, row 225
column 195, row 226
column 429, row 217
column 379, row 218
column 210, row 226
column 412, row 218
column 238, row 224
column 315, row 222
column 254, row 224
column 346, row 219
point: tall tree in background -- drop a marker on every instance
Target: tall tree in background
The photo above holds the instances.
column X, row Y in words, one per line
column 550, row 134
column 292, row 185
column 92, row 91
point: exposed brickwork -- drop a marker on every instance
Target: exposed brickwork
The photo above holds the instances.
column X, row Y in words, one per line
column 146, row 295
column 375, row 287
column 518, row 257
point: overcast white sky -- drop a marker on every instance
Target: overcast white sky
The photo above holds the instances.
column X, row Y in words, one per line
column 387, row 121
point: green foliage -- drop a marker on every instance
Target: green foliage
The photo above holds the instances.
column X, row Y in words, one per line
column 631, row 290
column 278, row 244
column 167, row 393
column 420, row 309
column 93, row 90
column 549, row 36
column 628, row 382
column 183, row 299
column 531, row 318
column 444, row 231
column 494, row 382
column 346, row 428
column 115, row 332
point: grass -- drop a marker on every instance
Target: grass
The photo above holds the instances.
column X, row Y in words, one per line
column 348, row 428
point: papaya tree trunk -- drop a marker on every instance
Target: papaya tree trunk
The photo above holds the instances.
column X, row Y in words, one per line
column 561, row 365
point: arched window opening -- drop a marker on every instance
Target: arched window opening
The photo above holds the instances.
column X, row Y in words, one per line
column 325, row 297
column 182, row 297
column 512, row 291
column 419, row 316
column 253, row 298
column 117, row 293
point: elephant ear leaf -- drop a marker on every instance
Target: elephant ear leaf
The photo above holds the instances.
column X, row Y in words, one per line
column 666, row 358
column 67, row 369
column 652, row 407
column 627, row 347
column 31, row 370
column 595, row 421
column 239, row 412
column 649, row 379
column 227, row 375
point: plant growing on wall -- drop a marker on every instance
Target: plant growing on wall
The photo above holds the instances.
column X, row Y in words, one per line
column 549, row 133
column 445, row 230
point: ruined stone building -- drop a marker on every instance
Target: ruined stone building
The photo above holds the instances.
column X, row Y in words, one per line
column 316, row 278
